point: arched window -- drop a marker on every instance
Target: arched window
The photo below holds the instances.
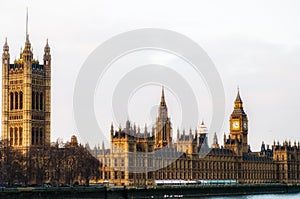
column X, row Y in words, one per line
column 37, row 136
column 21, row 100
column 11, row 101
column 164, row 132
column 32, row 136
column 41, row 101
column 16, row 136
column 16, row 100
column 20, row 136
column 33, row 100
column 41, row 136
column 11, row 136
column 37, row 95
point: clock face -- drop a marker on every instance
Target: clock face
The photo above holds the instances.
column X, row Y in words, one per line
column 236, row 125
column 245, row 125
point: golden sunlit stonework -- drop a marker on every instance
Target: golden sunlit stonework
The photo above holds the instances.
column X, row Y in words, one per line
column 26, row 98
column 136, row 158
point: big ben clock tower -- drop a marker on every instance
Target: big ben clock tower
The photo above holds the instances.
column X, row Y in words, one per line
column 238, row 138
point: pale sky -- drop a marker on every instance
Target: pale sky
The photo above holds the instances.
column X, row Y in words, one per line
column 254, row 45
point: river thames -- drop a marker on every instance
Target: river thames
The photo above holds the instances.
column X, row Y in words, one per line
column 266, row 196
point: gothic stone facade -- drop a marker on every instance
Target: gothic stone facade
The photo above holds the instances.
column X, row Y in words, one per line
column 26, row 91
column 139, row 158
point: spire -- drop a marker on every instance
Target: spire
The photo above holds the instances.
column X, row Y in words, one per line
column 127, row 125
column 191, row 134
column 163, row 110
column 112, row 130
column 238, row 97
column 238, row 103
column 21, row 50
column 162, row 101
column 27, row 34
column 145, row 129
column 27, row 51
column 5, row 46
column 103, row 146
column 263, row 146
column 47, row 48
column 215, row 142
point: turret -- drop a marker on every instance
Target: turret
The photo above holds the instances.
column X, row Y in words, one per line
column 191, row 135
column 5, row 56
column 47, row 68
column 202, row 136
column 111, row 130
column 47, row 55
column 127, row 126
column 145, row 131
column 103, row 148
column 196, row 135
column 5, row 102
column 202, row 129
column 5, row 50
column 138, row 132
column 153, row 131
column 215, row 144
column 119, row 131
column 263, row 147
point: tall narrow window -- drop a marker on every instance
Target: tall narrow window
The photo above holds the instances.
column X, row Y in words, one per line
column 11, row 101
column 41, row 136
column 33, row 100
column 16, row 137
column 21, row 100
column 37, row 136
column 20, row 136
column 16, row 100
column 32, row 136
column 37, row 95
column 41, row 101
column 11, row 136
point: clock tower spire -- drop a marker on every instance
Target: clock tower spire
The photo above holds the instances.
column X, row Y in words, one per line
column 238, row 103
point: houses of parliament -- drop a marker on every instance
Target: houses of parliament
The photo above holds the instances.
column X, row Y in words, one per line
column 138, row 158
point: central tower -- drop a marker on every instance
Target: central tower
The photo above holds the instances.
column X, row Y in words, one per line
column 163, row 125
